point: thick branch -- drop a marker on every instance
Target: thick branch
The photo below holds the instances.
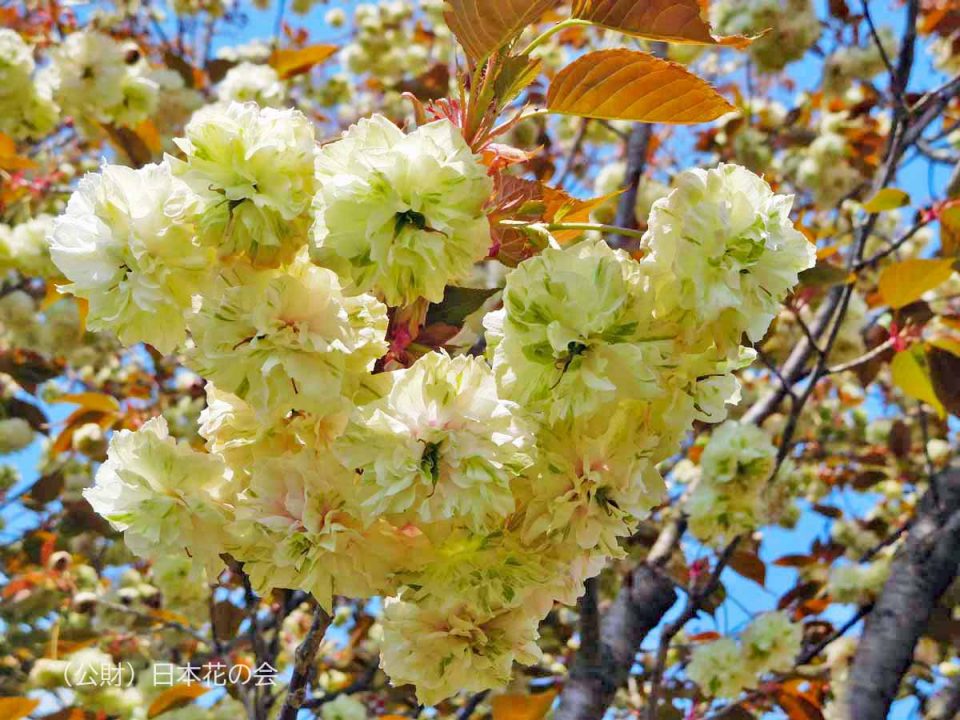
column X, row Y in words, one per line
column 637, row 147
column 590, row 640
column 643, row 601
column 921, row 572
column 303, row 665
column 901, row 77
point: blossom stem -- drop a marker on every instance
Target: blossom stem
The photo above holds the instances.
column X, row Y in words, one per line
column 527, row 114
column 550, row 32
column 599, row 227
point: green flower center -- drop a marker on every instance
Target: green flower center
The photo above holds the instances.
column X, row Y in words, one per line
column 746, row 250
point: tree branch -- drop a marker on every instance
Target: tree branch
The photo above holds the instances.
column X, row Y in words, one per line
column 303, row 665
column 646, row 596
column 637, row 146
column 921, row 572
column 901, row 77
column 694, row 603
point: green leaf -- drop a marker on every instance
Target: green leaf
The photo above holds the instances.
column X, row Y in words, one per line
column 824, row 274
column 458, row 303
column 515, row 74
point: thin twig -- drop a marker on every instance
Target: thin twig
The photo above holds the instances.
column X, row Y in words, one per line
column 772, row 367
column 892, row 248
column 838, row 633
column 362, row 683
column 694, row 602
column 173, row 624
column 883, row 51
column 862, row 360
column 574, row 151
column 472, row 704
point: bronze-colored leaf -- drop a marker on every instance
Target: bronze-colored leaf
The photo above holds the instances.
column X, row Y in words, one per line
column 16, row 407
column 522, row 707
column 825, row 274
column 289, row 63
column 483, row 26
column 798, row 593
column 679, row 21
column 798, row 707
column 217, row 69
column 899, row 441
column 625, row 84
column 430, row 85
column 46, row 489
column 28, row 368
column 91, row 401
column 749, row 564
column 14, row 708
column 950, row 229
column 532, row 201
column 227, row 618
column 794, row 561
column 179, row 64
column 175, row 697
column 9, row 159
column 945, row 375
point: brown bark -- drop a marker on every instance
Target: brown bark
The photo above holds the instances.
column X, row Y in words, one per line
column 303, row 665
column 921, row 572
column 646, row 597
